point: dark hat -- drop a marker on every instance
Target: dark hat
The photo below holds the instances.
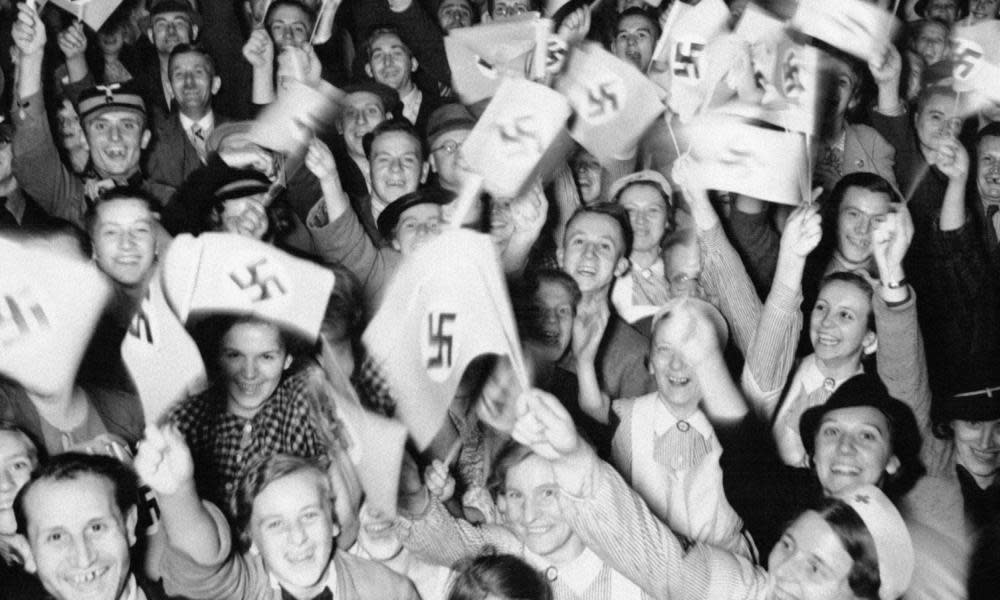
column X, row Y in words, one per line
column 448, row 117
column 389, row 218
column 975, row 396
column 388, row 96
column 239, row 183
column 171, row 6
column 114, row 96
column 867, row 390
column 961, row 8
column 221, row 132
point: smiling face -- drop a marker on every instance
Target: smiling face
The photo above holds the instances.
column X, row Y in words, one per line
column 397, row 165
column 530, row 502
column 377, row 535
column 593, row 252
column 16, row 462
column 676, row 384
column 391, row 63
column 362, row 112
column 988, row 169
column 245, row 216
column 293, row 529
column 588, row 173
column 168, row 29
column 983, row 10
column 289, row 25
column 444, row 159
column 116, row 139
column 860, row 211
column 810, row 562
column 838, row 325
column 853, row 448
column 931, row 42
column 193, row 82
column 946, row 10
column 977, row 444
column 79, row 538
column 417, row 225
column 554, row 304
column 648, row 213
column 634, row 40
column 253, row 359
column 124, row 245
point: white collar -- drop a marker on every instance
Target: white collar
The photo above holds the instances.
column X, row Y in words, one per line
column 663, row 420
column 813, row 379
column 577, row 574
column 331, row 576
column 206, row 123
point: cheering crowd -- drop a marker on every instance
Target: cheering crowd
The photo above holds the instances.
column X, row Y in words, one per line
column 702, row 392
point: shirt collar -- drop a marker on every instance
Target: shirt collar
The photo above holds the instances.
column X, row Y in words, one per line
column 331, row 576
column 206, row 123
column 663, row 420
column 577, row 574
column 16, row 204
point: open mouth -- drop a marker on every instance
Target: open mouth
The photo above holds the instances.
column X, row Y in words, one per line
column 301, row 557
column 676, row 380
column 986, row 456
column 845, row 470
column 249, row 388
column 826, row 340
column 89, row 576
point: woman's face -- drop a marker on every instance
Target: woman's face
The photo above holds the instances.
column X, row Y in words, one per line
column 977, row 444
column 838, row 325
column 253, row 359
column 853, row 447
column 810, row 562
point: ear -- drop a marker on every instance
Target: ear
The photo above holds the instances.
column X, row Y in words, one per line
column 502, row 503
column 855, row 98
column 432, row 162
column 149, row 34
column 892, row 467
column 22, row 550
column 288, row 362
column 424, row 171
column 131, row 519
column 146, row 136
column 560, row 253
column 621, row 267
column 869, row 343
column 396, row 246
column 194, row 32
column 216, row 84
column 253, row 549
column 414, row 64
column 368, row 70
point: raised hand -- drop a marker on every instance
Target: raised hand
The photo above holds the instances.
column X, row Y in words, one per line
column 887, row 66
column 803, row 231
column 689, row 330
column 72, row 40
column 529, row 210
column 890, row 240
column 952, row 159
column 28, row 30
column 544, row 426
column 259, row 50
column 319, row 161
column 439, row 482
column 164, row 461
column 575, row 26
column 588, row 331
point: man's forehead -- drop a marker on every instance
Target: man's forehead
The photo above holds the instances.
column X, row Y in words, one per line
column 395, row 142
column 426, row 210
column 114, row 116
column 121, row 210
column 189, row 59
column 990, row 143
column 635, row 23
column 593, row 223
column 288, row 13
column 172, row 16
column 93, row 496
column 363, row 99
column 388, row 40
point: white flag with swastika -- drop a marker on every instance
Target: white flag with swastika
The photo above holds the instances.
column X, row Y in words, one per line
column 857, row 27
column 614, row 103
column 49, row 306
column 228, row 273
column 483, row 56
column 975, row 55
column 446, row 306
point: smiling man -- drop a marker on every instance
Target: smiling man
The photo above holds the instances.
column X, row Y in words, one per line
column 171, row 23
column 392, row 63
column 78, row 514
column 635, row 34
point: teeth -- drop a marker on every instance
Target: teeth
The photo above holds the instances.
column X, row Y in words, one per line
column 678, row 380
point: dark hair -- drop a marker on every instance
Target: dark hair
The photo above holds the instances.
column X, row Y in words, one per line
column 113, row 195
column 830, row 210
column 36, row 451
column 502, row 575
column 395, row 124
column 263, row 472
column 511, row 454
column 209, row 331
column 280, row 218
column 295, row 3
column 379, row 30
column 523, row 294
column 992, row 129
column 863, row 578
column 192, row 49
column 73, row 465
column 613, row 211
column 857, row 281
column 532, row 5
column 637, row 11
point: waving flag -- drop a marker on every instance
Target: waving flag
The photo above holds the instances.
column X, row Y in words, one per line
column 92, row 12
column 976, row 60
column 614, row 103
column 446, row 306
column 228, row 273
column 481, row 57
column 49, row 307
column 857, row 27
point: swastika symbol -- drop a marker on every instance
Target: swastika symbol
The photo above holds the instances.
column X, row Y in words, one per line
column 791, row 78
column 555, row 56
column 965, row 59
column 603, row 99
column 687, row 55
column 521, row 132
column 441, row 338
column 259, row 281
column 20, row 315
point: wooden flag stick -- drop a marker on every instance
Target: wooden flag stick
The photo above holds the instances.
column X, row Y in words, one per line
column 463, row 204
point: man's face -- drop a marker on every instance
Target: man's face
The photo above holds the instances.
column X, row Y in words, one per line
column 116, row 139
column 397, row 165
column 79, row 538
column 453, row 14
column 530, row 501
column 170, row 29
column 593, row 252
column 810, row 561
column 676, row 383
column 588, row 173
column 983, row 10
column 111, row 41
column 853, row 448
column 377, row 535
column 292, row 527
column 362, row 112
column 504, row 10
column 417, row 226
column 555, row 309
column 16, row 464
column 931, row 43
column 391, row 62
column 634, row 40
column 123, row 240
column 937, row 121
column 860, row 211
column 647, row 212
column 289, row 26
column 682, row 269
column 444, row 159
column 844, row 82
column 946, row 10
column 253, row 359
column 988, row 169
column 838, row 326
column 193, row 81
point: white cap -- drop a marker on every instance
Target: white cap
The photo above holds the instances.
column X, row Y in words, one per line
column 892, row 539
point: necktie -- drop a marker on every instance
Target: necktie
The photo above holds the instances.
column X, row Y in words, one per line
column 991, row 224
column 6, row 217
column 326, row 594
column 198, row 139
column 680, row 448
